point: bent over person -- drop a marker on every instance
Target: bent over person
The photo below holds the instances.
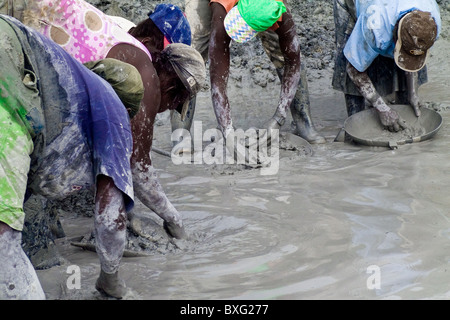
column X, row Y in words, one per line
column 62, row 128
column 271, row 20
column 89, row 35
column 88, row 139
column 382, row 49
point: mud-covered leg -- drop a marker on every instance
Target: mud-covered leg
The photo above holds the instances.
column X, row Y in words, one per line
column 300, row 110
column 300, row 107
column 18, row 279
column 110, row 234
column 354, row 104
column 198, row 14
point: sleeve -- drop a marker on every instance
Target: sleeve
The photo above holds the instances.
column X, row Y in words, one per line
column 227, row 4
column 357, row 50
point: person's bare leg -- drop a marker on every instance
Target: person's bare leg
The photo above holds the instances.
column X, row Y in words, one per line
column 18, row 279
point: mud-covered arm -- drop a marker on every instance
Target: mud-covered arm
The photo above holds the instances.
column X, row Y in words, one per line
column 147, row 187
column 145, row 182
column 150, row 192
column 219, row 57
column 413, row 97
column 290, row 48
column 389, row 117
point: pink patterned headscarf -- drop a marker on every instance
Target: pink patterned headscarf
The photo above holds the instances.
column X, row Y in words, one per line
column 81, row 29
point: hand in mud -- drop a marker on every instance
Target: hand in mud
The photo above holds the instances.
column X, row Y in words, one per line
column 416, row 104
column 271, row 124
column 174, row 230
column 391, row 120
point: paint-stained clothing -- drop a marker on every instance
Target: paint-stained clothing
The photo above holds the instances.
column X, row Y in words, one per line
column 76, row 123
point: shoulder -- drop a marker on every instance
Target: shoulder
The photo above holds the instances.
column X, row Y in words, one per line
column 131, row 54
column 227, row 4
column 123, row 23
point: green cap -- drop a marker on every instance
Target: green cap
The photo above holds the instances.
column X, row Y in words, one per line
column 261, row 14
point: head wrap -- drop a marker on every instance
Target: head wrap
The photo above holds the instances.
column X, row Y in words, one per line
column 172, row 23
column 189, row 66
column 249, row 17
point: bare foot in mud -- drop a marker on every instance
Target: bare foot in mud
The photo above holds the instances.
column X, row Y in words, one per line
column 111, row 285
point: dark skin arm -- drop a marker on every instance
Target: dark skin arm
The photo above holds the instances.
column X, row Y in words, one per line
column 142, row 123
column 290, row 48
column 146, row 184
column 219, row 55
column 389, row 117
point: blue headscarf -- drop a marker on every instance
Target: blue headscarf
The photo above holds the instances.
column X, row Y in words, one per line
column 172, row 23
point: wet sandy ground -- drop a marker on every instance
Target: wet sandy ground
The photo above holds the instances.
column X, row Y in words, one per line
column 348, row 222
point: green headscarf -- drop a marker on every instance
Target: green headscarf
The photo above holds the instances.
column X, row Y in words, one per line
column 261, row 14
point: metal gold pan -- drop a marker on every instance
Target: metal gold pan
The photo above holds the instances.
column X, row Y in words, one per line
column 365, row 127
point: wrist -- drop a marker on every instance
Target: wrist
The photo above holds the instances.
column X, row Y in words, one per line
column 279, row 119
column 381, row 106
column 227, row 130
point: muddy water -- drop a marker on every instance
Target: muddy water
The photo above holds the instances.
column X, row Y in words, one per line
column 348, row 222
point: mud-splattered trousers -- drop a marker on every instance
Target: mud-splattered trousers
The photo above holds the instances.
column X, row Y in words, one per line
column 61, row 124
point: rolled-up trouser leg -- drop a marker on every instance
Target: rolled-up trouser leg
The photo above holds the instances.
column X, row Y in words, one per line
column 110, row 232
column 198, row 15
